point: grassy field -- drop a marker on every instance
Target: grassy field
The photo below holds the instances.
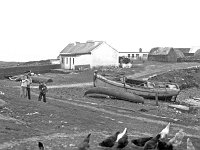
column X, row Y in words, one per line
column 8, row 64
column 68, row 116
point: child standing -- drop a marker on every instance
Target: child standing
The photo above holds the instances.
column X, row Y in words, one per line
column 42, row 91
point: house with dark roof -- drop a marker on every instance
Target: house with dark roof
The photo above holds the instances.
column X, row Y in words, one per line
column 185, row 51
column 90, row 54
column 163, row 54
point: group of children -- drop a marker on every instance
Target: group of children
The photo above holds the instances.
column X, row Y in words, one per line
column 25, row 88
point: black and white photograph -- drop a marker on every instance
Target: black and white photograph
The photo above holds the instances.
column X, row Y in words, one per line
column 99, row 75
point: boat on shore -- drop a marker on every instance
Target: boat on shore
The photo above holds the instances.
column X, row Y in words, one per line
column 114, row 93
column 145, row 89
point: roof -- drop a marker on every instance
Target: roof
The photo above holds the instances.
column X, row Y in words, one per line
column 197, row 53
column 81, row 48
column 179, row 53
column 184, row 50
column 160, row 50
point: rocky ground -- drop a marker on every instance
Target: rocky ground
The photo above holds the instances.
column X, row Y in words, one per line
column 68, row 116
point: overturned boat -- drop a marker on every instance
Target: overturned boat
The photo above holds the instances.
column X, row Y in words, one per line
column 115, row 93
column 145, row 89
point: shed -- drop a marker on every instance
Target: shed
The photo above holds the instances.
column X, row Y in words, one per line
column 179, row 54
column 185, row 51
column 162, row 54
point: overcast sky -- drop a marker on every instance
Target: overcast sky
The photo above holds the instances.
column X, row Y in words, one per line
column 40, row 29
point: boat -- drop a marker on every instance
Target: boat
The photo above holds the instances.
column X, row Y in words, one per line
column 145, row 89
column 114, row 93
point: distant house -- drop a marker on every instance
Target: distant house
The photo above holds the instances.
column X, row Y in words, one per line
column 90, row 54
column 179, row 55
column 185, row 51
column 194, row 49
column 197, row 54
column 162, row 54
column 135, row 55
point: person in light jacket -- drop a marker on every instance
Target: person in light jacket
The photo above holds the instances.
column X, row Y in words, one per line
column 24, row 83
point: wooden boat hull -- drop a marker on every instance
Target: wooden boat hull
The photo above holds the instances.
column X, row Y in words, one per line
column 145, row 92
column 116, row 94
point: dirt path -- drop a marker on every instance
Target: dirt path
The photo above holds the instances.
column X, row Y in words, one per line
column 67, row 85
column 143, row 119
column 95, row 106
column 12, row 119
column 84, row 116
column 109, row 114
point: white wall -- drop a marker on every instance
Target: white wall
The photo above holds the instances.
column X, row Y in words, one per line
column 62, row 63
column 66, row 64
column 83, row 59
column 194, row 49
column 78, row 60
column 141, row 54
column 104, row 55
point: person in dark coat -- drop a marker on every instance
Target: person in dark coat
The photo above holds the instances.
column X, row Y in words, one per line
column 42, row 90
column 95, row 77
column 28, row 89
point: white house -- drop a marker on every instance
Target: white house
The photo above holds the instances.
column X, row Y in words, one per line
column 90, row 54
column 193, row 49
column 135, row 55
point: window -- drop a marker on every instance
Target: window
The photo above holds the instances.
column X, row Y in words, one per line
column 137, row 55
column 129, row 55
column 73, row 61
column 132, row 55
column 67, row 60
column 62, row 60
column 144, row 55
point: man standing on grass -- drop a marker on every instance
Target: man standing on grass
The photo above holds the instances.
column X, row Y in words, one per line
column 42, row 90
column 23, row 86
column 28, row 89
column 95, row 77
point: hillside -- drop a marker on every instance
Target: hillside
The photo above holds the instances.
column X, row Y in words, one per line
column 4, row 64
column 9, row 64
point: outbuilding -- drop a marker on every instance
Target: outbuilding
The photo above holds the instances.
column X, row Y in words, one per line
column 162, row 54
column 135, row 55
